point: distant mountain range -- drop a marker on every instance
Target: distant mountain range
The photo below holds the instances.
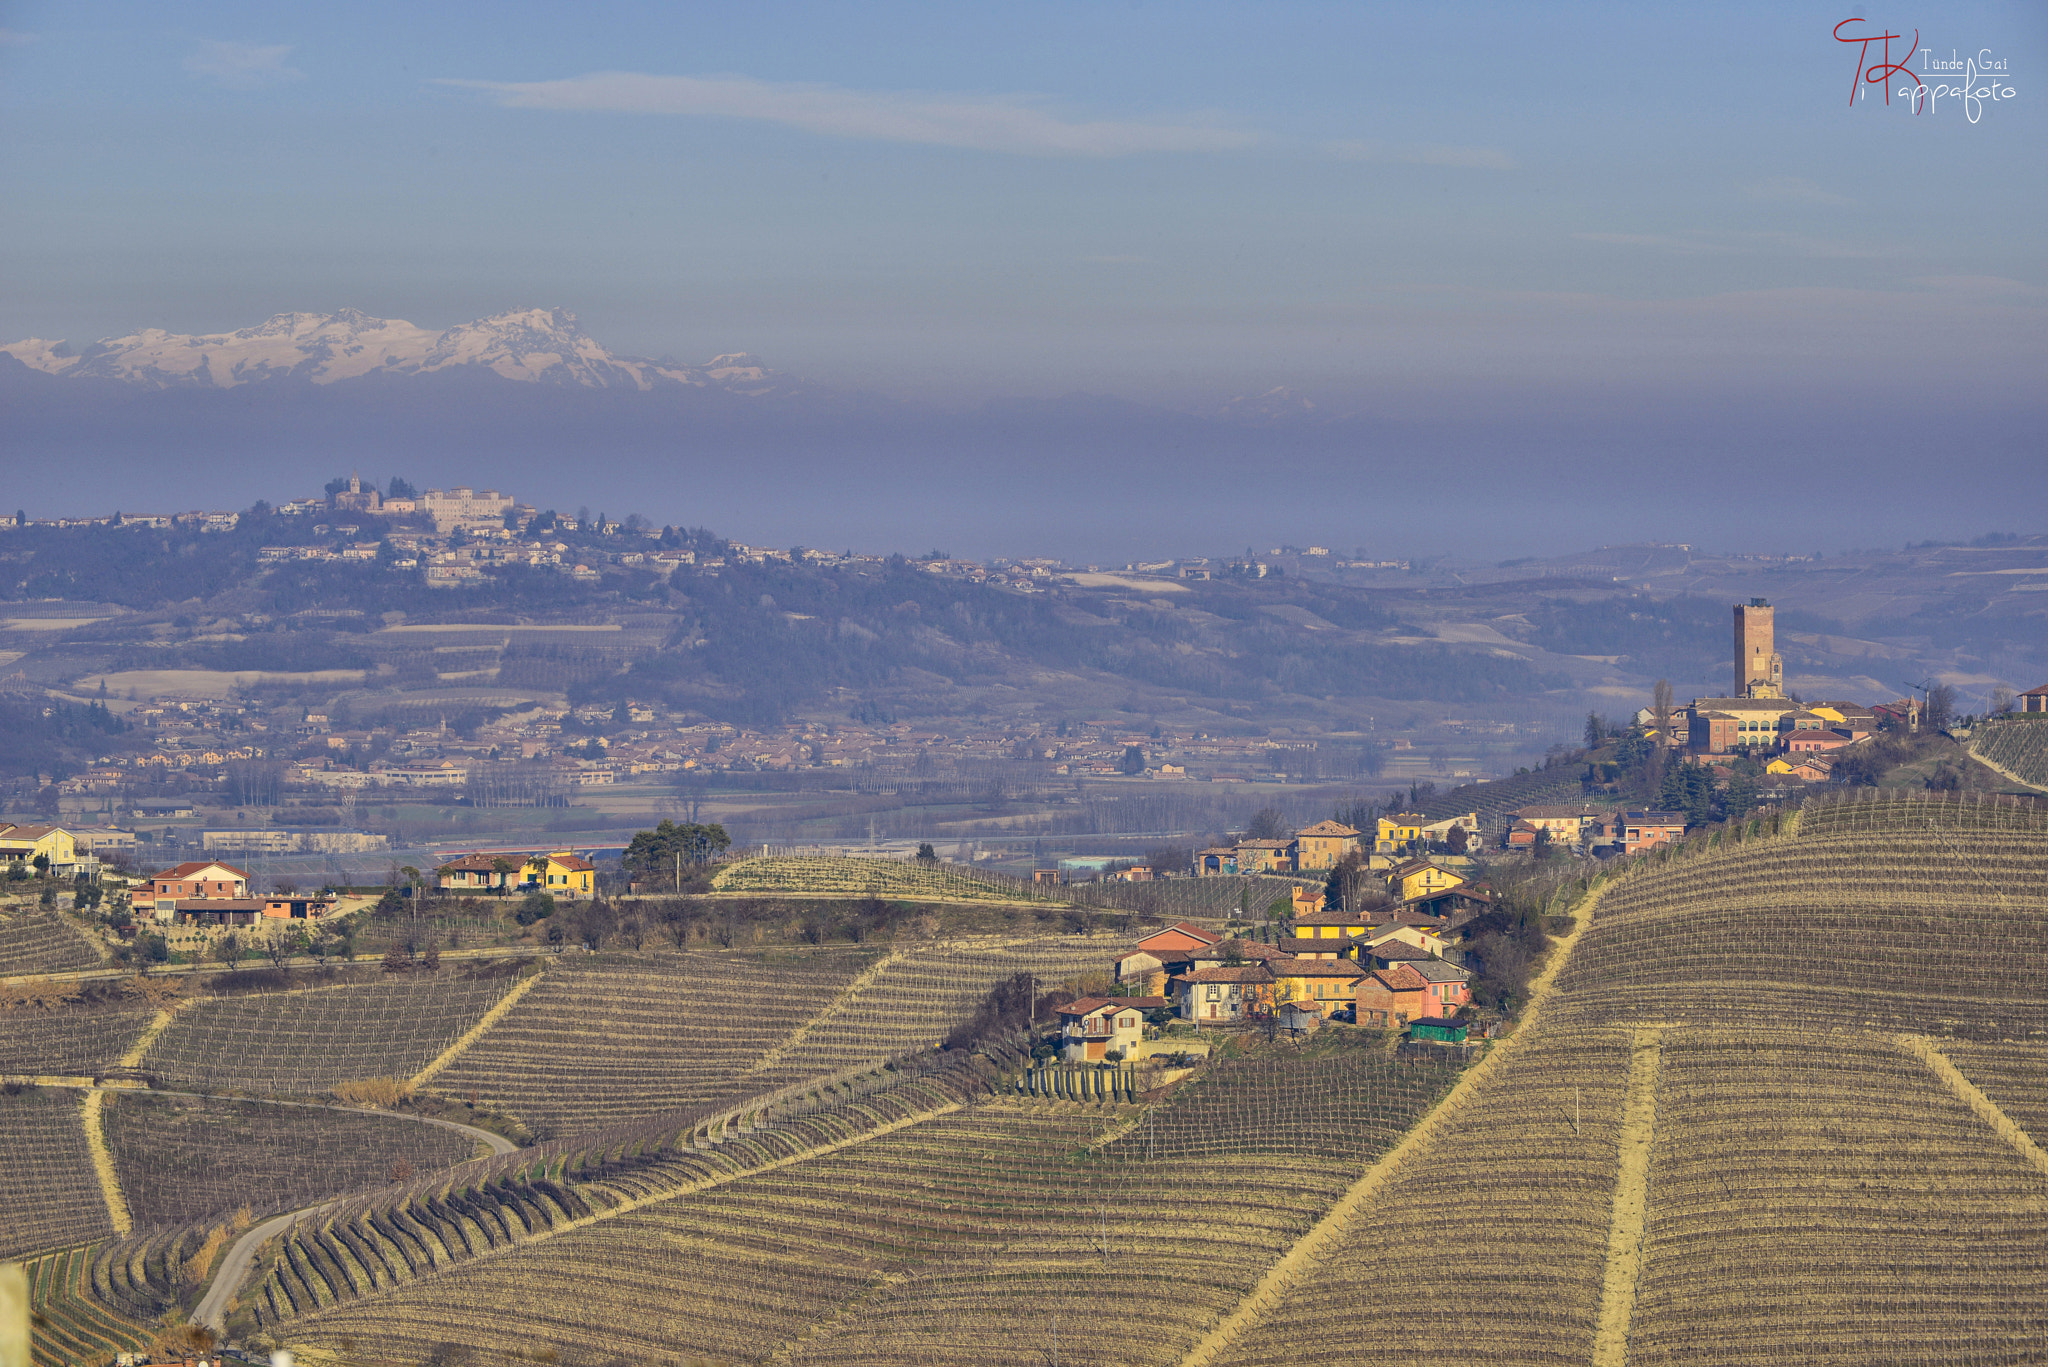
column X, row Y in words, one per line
column 537, row 346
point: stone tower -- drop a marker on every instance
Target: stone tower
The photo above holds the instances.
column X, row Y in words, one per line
column 1759, row 669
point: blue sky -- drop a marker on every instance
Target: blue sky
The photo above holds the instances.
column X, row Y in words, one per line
column 1024, row 199
column 1664, row 222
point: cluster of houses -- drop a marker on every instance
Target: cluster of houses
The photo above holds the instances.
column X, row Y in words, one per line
column 1327, row 843
column 209, row 892
column 1394, row 968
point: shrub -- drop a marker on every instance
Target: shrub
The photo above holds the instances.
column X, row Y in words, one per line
column 385, row 1093
column 537, row 906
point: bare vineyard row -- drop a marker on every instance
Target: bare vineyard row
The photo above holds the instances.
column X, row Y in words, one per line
column 604, row 1041
column 33, row 940
column 2019, row 747
column 1829, row 1189
column 183, row 1158
column 68, row 1043
column 49, row 1195
column 963, row 1238
column 67, row 1326
column 302, row 1043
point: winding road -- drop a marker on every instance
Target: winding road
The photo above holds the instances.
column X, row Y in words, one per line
column 234, row 1264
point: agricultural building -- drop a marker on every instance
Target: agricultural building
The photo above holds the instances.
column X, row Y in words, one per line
column 1391, row 997
column 1305, row 901
column 1806, row 768
column 1225, row 996
column 1141, row 966
column 1094, row 1027
column 479, row 871
column 1300, row 1016
column 1437, row 1030
column 1217, row 859
column 2034, row 699
column 1240, row 951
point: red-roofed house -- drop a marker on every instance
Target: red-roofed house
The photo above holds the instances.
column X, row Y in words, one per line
column 2034, row 699
column 1224, row 996
column 1093, row 1028
column 203, row 879
column 1178, row 936
column 1391, row 997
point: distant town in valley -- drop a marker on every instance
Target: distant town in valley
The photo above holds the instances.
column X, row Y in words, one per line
column 574, row 867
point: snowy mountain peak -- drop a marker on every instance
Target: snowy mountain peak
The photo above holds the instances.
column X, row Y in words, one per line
column 536, row 345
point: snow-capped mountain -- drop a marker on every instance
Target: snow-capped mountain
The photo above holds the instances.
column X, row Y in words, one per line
column 541, row 346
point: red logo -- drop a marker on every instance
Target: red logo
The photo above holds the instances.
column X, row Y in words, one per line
column 1881, row 73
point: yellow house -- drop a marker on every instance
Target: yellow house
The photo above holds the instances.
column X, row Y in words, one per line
column 1330, row 925
column 1263, row 856
column 1323, row 845
column 562, row 874
column 1418, row 878
column 1398, row 829
column 21, row 844
column 1326, row 984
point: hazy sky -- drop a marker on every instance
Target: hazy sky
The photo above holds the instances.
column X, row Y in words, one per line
column 1517, row 215
column 1030, row 198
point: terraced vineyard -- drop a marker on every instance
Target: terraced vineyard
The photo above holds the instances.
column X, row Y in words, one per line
column 303, row 1042
column 49, row 1196
column 2017, row 746
column 1900, row 913
column 33, row 940
column 68, row 1326
column 913, row 998
column 70, row 1042
column 610, row 1039
column 846, row 876
column 184, row 1158
column 1713, row 1146
column 1794, row 1178
column 967, row 1235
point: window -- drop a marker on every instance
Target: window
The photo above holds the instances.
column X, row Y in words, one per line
column 1215, row 994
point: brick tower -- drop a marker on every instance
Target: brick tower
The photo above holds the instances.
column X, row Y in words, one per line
column 1759, row 669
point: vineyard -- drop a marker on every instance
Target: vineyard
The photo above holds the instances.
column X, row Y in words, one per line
column 49, row 1197
column 72, row 1042
column 33, row 940
column 961, row 1238
column 611, row 1039
column 846, row 876
column 1830, row 1190
column 183, row 1158
column 68, row 1325
column 1491, row 799
column 1211, row 898
column 607, row 1039
column 1917, row 912
column 2018, row 746
column 303, row 1042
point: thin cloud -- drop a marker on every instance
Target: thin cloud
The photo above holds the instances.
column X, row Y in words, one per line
column 242, row 66
column 1792, row 190
column 14, row 37
column 1423, row 154
column 1714, row 242
column 982, row 123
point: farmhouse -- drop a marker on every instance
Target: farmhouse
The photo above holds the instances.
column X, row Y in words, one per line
column 1322, row 845
column 1094, row 1028
column 1225, row 996
column 200, row 879
column 1419, row 877
column 480, row 871
column 26, row 844
column 1327, row 985
column 1647, row 830
column 1391, row 997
